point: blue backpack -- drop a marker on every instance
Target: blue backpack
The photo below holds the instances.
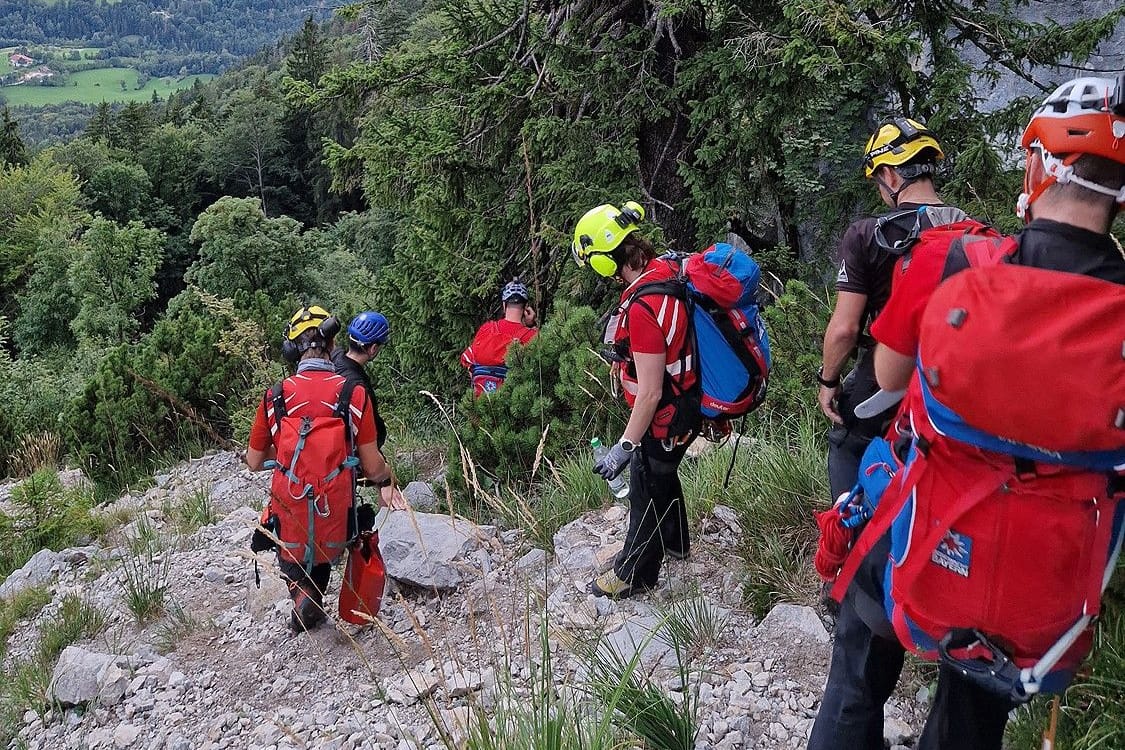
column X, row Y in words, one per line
column 729, row 338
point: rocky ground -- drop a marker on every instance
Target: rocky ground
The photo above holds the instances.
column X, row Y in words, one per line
column 459, row 634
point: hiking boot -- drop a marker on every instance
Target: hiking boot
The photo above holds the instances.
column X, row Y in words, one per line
column 608, row 584
column 308, row 612
column 676, row 554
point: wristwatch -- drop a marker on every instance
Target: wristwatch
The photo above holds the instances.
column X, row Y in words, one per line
column 833, row 383
column 385, row 482
column 627, row 445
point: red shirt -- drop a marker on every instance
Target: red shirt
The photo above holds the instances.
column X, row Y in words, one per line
column 916, row 277
column 653, row 324
column 492, row 340
column 313, row 393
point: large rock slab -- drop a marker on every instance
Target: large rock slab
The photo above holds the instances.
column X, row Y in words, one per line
column 35, row 572
column 793, row 620
column 82, row 676
column 427, row 549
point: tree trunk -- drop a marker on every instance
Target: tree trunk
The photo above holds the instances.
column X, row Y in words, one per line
column 664, row 142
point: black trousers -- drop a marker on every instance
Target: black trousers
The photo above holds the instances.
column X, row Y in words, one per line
column 865, row 668
column 657, row 516
column 314, row 581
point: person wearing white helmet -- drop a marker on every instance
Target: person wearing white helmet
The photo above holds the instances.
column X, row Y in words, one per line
column 484, row 356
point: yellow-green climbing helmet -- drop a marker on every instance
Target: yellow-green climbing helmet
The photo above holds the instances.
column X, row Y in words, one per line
column 600, row 230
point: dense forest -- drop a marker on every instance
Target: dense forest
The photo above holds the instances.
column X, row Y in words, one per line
column 411, row 157
column 235, row 27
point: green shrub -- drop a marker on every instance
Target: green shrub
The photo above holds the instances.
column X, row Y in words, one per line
column 555, row 398
column 161, row 397
column 45, row 516
column 796, row 323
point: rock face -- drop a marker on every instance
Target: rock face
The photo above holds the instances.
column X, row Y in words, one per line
column 428, row 550
column 35, row 572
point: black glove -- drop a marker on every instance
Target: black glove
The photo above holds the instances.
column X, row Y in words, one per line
column 365, row 518
column 613, row 463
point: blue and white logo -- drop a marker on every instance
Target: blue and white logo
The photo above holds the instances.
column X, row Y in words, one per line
column 954, row 553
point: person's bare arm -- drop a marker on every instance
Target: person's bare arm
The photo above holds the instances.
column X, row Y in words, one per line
column 892, row 369
column 256, row 459
column 839, row 341
column 374, row 467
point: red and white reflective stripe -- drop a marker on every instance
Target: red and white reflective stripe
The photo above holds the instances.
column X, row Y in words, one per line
column 674, row 324
column 629, row 386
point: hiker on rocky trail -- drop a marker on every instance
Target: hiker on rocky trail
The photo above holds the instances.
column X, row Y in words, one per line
column 649, row 336
column 316, row 430
column 368, row 332
column 484, row 357
column 1005, row 521
column 900, row 159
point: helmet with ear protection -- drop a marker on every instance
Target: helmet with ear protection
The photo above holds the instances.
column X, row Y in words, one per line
column 306, row 319
column 600, row 230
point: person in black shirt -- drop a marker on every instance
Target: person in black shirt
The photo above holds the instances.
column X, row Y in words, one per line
column 900, row 158
column 367, row 333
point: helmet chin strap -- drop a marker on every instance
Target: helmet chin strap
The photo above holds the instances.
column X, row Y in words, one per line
column 1061, row 172
column 894, row 193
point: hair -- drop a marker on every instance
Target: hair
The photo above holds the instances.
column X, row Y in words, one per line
column 1096, row 169
column 359, row 348
column 316, row 343
column 516, row 302
column 634, row 252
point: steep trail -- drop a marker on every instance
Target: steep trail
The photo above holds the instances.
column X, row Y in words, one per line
column 220, row 669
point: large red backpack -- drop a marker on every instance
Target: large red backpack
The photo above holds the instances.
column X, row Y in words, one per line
column 312, row 493
column 1005, row 521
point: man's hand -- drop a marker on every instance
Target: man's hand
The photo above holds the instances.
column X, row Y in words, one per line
column 612, row 463
column 529, row 317
column 390, row 497
column 827, row 400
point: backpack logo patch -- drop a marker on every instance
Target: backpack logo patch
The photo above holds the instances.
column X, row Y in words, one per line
column 954, row 553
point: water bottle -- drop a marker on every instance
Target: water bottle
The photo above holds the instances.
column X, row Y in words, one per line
column 619, row 485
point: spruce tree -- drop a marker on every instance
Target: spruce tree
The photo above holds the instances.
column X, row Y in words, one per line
column 13, row 151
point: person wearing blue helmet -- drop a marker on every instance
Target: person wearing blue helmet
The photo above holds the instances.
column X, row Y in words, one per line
column 368, row 332
column 485, row 355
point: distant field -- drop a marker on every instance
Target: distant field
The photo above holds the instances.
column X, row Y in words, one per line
column 96, row 86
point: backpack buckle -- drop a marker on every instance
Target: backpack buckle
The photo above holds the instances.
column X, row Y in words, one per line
column 985, row 664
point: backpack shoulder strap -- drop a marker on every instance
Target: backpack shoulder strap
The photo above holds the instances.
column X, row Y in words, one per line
column 275, row 399
column 343, row 410
column 974, row 251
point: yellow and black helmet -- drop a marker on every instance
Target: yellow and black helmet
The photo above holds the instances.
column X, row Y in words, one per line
column 600, row 230
column 304, row 319
column 899, row 142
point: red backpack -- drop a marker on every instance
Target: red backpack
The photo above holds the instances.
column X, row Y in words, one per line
column 312, row 493
column 1005, row 520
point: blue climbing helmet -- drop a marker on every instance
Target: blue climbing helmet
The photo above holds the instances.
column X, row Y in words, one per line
column 514, row 290
column 369, row 328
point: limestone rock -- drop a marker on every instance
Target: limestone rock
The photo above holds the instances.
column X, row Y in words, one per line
column 35, row 572
column 81, row 676
column 421, row 496
column 426, row 549
column 790, row 619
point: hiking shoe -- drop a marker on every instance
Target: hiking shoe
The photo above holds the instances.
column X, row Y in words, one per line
column 308, row 613
column 676, row 554
column 608, row 584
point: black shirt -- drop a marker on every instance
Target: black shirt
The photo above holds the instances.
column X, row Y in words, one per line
column 353, row 372
column 866, row 267
column 1055, row 246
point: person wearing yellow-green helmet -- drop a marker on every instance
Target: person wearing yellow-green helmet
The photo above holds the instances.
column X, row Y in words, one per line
column 652, row 359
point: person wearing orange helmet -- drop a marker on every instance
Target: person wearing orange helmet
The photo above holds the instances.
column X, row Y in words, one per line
column 1074, row 187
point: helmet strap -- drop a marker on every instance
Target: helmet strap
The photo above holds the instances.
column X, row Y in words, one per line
column 1061, row 172
column 906, row 182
